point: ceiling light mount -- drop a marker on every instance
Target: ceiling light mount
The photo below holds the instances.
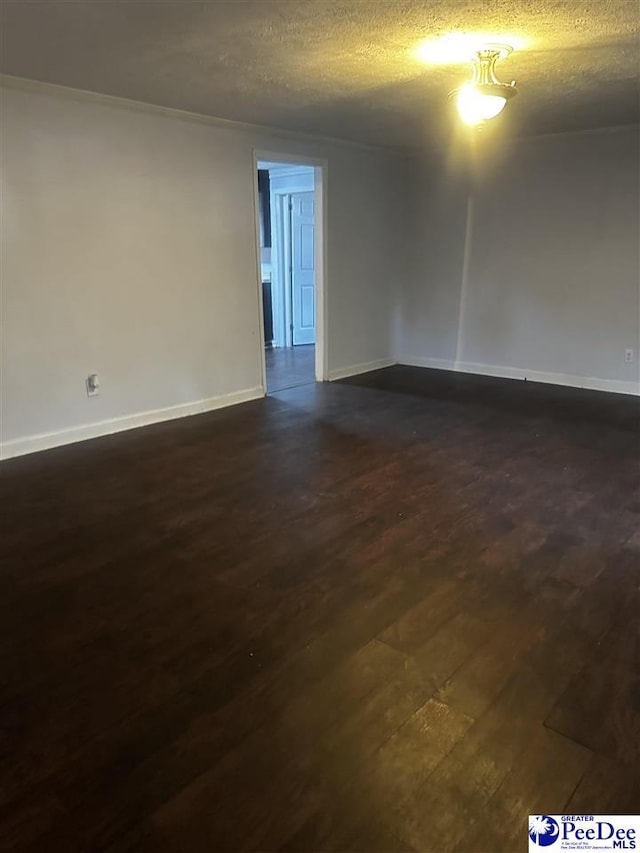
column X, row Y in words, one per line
column 484, row 75
column 485, row 96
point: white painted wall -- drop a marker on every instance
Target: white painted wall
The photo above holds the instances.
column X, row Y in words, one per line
column 550, row 289
column 129, row 249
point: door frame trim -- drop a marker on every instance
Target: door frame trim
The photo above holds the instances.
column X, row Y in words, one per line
column 320, row 171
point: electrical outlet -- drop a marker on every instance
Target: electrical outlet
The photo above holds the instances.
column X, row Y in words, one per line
column 93, row 385
column 628, row 356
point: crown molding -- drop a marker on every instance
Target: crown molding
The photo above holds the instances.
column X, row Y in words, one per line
column 87, row 96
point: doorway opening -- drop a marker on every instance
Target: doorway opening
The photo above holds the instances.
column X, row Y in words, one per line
column 289, row 206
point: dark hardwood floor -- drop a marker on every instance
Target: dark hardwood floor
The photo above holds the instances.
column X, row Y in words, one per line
column 394, row 613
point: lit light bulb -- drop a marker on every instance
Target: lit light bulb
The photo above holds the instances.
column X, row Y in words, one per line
column 475, row 107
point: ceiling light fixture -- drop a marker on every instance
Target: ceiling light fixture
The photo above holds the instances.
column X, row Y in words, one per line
column 484, row 97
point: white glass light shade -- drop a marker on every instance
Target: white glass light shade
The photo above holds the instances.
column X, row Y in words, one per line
column 475, row 107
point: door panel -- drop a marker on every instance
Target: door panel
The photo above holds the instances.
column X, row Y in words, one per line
column 303, row 272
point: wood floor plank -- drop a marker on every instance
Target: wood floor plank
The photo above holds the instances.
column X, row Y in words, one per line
column 544, row 776
column 406, row 760
column 476, row 683
column 453, row 644
column 423, row 620
column 607, row 787
column 348, row 829
column 601, row 710
column 333, row 619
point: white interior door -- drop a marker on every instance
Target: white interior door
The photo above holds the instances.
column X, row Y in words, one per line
column 303, row 273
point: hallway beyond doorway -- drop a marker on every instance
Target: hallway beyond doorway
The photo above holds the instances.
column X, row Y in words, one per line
column 288, row 367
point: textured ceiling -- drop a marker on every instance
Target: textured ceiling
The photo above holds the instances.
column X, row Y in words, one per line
column 343, row 68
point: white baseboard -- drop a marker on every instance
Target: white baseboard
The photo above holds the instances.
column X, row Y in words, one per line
column 355, row 369
column 45, row 441
column 422, row 361
column 594, row 383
